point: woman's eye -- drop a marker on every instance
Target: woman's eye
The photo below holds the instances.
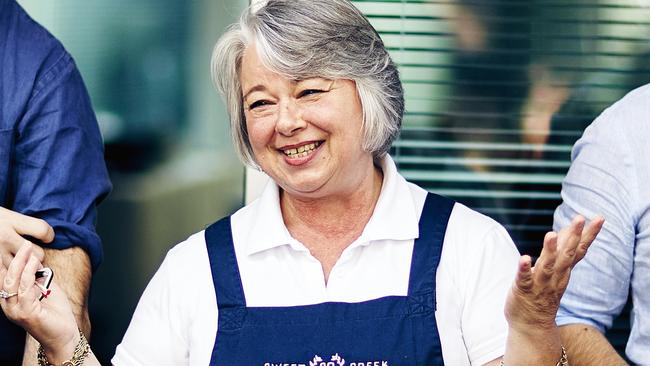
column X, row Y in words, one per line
column 258, row 103
column 307, row 92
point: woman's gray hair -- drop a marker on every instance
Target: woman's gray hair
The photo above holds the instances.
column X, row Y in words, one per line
column 300, row 39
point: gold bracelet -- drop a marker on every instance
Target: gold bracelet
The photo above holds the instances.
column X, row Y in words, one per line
column 78, row 356
column 564, row 361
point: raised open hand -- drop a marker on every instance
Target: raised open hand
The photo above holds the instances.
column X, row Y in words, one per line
column 534, row 298
column 535, row 295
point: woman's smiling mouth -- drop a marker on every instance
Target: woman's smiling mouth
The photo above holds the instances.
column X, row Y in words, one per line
column 301, row 151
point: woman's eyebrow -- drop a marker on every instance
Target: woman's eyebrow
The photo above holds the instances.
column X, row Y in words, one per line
column 258, row 87
column 321, row 82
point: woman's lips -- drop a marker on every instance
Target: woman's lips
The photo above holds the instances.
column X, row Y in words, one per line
column 299, row 155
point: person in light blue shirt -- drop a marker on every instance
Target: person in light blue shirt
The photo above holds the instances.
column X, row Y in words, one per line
column 610, row 176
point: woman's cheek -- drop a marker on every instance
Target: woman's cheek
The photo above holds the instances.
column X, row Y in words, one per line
column 260, row 130
column 317, row 115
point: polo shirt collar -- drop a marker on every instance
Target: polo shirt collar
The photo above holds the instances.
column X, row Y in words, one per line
column 394, row 217
column 267, row 229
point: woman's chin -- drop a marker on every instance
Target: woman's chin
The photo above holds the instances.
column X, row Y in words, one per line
column 303, row 190
column 305, row 187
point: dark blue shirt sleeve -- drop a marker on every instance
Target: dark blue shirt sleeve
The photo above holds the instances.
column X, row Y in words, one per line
column 59, row 173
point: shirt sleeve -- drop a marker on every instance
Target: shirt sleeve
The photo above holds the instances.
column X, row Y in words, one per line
column 59, row 173
column 175, row 322
column 600, row 182
column 486, row 279
column 155, row 335
column 477, row 269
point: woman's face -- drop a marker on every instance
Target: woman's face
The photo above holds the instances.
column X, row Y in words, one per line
column 305, row 134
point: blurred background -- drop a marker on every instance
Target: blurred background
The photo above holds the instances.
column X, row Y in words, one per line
column 497, row 92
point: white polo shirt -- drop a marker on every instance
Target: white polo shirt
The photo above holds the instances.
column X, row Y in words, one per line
column 175, row 322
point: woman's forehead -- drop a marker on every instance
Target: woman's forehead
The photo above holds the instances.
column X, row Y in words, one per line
column 254, row 72
column 263, row 58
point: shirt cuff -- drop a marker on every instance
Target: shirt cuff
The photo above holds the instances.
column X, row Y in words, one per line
column 68, row 235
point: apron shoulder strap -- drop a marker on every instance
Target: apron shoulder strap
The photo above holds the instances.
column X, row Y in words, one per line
column 428, row 246
column 223, row 264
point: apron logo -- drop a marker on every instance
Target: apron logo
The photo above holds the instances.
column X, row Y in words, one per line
column 335, row 360
column 317, row 361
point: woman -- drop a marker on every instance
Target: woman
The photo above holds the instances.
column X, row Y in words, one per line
column 340, row 261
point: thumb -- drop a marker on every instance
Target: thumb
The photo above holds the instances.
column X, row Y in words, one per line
column 32, row 227
column 524, row 278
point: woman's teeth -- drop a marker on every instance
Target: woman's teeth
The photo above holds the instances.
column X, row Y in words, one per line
column 301, row 151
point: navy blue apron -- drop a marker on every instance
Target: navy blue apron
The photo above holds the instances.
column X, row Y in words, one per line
column 389, row 331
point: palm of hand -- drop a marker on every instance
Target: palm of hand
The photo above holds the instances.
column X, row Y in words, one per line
column 51, row 319
column 536, row 292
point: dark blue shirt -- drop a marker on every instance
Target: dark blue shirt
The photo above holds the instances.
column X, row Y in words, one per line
column 51, row 151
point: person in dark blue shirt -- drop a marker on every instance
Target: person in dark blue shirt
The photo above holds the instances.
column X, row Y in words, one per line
column 52, row 172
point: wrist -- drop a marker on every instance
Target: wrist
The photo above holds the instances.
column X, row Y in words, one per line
column 539, row 337
column 533, row 346
column 56, row 355
column 563, row 360
column 537, row 329
column 70, row 353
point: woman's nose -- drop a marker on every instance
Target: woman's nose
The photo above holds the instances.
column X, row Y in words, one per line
column 289, row 119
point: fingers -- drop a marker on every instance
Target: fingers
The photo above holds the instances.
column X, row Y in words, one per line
column 524, row 278
column 568, row 240
column 3, row 273
column 13, row 225
column 545, row 265
column 26, row 289
column 37, row 252
column 560, row 253
column 536, row 293
column 26, row 225
column 588, row 236
column 15, row 270
column 12, row 246
column 19, row 280
column 10, row 242
column 34, row 227
column 11, row 281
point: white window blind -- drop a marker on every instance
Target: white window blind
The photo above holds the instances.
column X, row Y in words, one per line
column 497, row 92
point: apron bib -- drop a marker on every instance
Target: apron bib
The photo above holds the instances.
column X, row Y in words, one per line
column 389, row 331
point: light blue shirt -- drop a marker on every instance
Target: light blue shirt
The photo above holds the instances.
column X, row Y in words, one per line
column 610, row 176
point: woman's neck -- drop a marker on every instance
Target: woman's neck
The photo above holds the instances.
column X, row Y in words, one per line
column 328, row 225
